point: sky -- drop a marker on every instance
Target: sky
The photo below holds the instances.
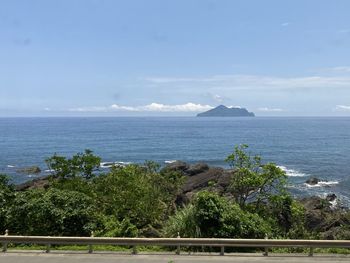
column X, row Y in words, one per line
column 174, row 58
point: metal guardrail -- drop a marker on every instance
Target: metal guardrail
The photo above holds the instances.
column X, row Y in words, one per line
column 176, row 242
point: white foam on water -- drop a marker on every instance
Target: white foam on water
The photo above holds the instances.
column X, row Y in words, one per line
column 322, row 184
column 291, row 172
column 49, row 170
column 106, row 165
column 11, row 166
column 170, row 161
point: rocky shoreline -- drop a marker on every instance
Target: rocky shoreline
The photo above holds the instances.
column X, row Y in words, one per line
column 323, row 215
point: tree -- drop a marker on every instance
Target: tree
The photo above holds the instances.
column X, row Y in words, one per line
column 139, row 193
column 211, row 215
column 7, row 194
column 253, row 181
column 51, row 212
column 81, row 164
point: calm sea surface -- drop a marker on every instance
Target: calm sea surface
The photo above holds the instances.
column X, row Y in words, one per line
column 303, row 147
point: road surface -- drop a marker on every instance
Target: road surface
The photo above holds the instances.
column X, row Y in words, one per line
column 55, row 257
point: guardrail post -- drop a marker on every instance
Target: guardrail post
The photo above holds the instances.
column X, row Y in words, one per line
column 134, row 250
column 178, row 247
column 222, row 251
column 4, row 245
column 90, row 246
column 48, row 248
column 311, row 252
column 266, row 253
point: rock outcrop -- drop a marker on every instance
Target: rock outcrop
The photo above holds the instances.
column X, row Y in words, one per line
column 42, row 182
column 200, row 176
column 313, row 181
column 29, row 170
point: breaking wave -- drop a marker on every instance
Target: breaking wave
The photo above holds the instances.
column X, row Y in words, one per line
column 292, row 172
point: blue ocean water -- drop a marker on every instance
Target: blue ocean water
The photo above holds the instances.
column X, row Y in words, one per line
column 304, row 147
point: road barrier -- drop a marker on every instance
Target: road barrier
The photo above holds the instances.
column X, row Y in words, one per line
column 175, row 242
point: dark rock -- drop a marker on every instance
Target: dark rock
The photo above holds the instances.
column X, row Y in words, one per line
column 201, row 180
column 336, row 233
column 182, row 199
column 42, row 182
column 197, row 168
column 150, row 232
column 314, row 220
column 177, row 166
column 331, row 197
column 312, row 181
column 29, row 170
column 315, row 203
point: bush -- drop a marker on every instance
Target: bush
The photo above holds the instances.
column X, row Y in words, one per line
column 211, row 215
column 52, row 212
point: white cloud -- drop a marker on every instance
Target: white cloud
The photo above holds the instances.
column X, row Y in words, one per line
column 345, row 69
column 265, row 109
column 122, row 108
column 153, row 107
column 235, row 107
column 257, row 82
column 217, row 98
column 188, row 107
column 89, row 109
column 342, row 108
column 285, row 24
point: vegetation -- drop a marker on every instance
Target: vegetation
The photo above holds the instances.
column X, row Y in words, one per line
column 141, row 200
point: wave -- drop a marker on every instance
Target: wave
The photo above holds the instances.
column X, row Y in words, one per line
column 106, row 165
column 292, row 172
column 170, row 161
column 322, row 184
column 11, row 166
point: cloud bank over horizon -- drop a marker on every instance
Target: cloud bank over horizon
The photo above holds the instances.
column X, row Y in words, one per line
column 153, row 107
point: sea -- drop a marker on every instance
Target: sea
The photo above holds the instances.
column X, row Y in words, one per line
column 303, row 147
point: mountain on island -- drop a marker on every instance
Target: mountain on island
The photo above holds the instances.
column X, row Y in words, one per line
column 223, row 111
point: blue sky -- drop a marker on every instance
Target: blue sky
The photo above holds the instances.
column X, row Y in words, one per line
column 121, row 58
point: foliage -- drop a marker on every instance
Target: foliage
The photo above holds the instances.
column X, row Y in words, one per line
column 253, row 181
column 81, row 164
column 51, row 212
column 111, row 227
column 182, row 223
column 140, row 200
column 211, row 215
column 139, row 193
column 6, row 198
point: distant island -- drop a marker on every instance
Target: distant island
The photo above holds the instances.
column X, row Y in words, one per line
column 223, row 111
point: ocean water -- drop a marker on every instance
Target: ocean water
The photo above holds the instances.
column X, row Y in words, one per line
column 303, row 147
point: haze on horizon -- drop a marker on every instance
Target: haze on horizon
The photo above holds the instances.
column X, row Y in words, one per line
column 171, row 58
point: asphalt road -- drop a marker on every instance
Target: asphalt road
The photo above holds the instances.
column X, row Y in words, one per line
column 31, row 257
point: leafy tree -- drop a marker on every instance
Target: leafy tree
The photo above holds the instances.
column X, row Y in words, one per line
column 51, row 212
column 7, row 194
column 211, row 215
column 252, row 180
column 81, row 164
column 139, row 193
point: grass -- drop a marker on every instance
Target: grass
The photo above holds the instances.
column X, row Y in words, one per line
column 86, row 248
column 128, row 249
column 343, row 251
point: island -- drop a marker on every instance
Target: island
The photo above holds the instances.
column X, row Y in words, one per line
column 223, row 111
